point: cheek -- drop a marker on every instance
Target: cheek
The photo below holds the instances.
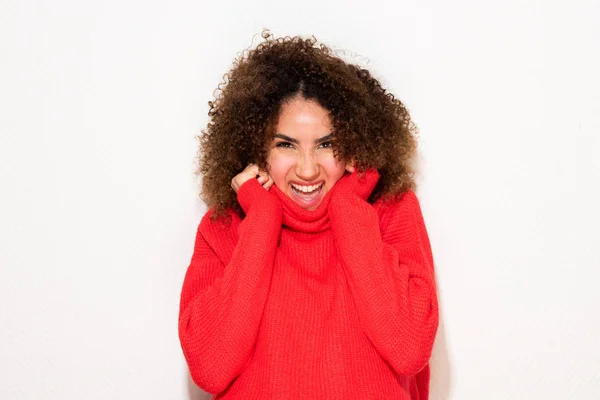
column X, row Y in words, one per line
column 279, row 167
column 334, row 168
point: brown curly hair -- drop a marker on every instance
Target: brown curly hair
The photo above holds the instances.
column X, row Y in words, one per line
column 370, row 126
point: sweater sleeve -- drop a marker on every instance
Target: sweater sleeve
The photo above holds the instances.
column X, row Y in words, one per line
column 389, row 270
column 221, row 305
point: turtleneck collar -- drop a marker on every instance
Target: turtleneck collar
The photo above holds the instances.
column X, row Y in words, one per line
column 299, row 219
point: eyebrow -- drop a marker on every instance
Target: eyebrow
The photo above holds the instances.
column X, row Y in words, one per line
column 290, row 139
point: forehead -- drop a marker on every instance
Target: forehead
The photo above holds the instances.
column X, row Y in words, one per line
column 303, row 118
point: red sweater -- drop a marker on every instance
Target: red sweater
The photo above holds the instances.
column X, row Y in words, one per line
column 335, row 303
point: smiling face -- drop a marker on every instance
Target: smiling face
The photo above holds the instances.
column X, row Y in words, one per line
column 300, row 158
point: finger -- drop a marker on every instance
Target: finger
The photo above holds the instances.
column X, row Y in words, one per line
column 262, row 179
column 262, row 172
column 251, row 170
column 267, row 185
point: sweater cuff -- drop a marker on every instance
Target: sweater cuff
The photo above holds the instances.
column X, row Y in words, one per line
column 250, row 192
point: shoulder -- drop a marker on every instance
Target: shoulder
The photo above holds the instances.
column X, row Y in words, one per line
column 211, row 224
column 401, row 203
column 400, row 218
column 220, row 234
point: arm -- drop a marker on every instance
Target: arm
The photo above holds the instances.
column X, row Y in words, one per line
column 221, row 306
column 389, row 272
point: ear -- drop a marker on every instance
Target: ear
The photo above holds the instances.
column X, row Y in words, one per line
column 350, row 166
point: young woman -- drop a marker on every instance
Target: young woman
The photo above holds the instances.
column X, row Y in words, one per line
column 312, row 273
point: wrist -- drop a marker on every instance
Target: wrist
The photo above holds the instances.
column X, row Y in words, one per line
column 252, row 193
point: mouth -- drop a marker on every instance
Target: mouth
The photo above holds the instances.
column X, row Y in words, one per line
column 307, row 195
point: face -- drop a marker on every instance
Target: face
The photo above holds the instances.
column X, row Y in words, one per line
column 300, row 159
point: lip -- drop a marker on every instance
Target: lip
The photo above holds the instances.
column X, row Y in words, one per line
column 303, row 202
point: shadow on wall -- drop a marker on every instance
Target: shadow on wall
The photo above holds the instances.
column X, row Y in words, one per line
column 439, row 387
column 194, row 392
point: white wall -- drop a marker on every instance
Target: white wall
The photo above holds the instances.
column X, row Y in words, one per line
column 99, row 105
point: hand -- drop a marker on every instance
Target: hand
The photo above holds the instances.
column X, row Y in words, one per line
column 252, row 172
column 353, row 183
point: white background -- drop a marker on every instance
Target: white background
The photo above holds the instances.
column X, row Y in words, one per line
column 100, row 103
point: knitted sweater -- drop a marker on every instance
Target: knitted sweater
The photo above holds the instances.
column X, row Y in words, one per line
column 335, row 303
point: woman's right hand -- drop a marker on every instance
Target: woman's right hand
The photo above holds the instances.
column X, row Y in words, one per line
column 252, row 172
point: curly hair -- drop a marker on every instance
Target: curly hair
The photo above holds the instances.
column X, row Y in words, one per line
column 370, row 126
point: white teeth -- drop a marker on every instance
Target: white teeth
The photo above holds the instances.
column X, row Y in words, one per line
column 306, row 189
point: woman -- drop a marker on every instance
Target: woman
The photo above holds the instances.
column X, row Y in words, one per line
column 312, row 273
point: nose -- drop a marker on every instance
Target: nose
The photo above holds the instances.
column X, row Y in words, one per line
column 307, row 167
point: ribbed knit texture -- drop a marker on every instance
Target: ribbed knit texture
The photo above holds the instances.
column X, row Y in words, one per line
column 335, row 303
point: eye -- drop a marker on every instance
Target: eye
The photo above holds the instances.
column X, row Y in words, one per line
column 284, row 145
column 326, row 145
